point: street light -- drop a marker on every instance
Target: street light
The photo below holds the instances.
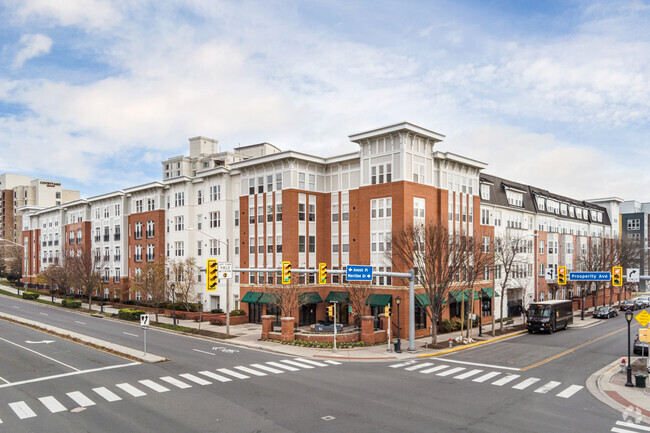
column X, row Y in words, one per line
column 23, row 247
column 398, row 349
column 173, row 286
column 628, row 317
column 227, row 244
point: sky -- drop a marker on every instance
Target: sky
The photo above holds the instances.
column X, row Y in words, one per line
column 554, row 94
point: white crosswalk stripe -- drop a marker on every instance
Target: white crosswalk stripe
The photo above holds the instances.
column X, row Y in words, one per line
column 526, row 383
column 267, row 368
column 250, row 371
column 297, row 364
column 309, row 361
column 215, row 376
column 80, row 399
column 468, row 374
column 418, row 366
column 570, row 391
column 637, row 427
column 504, row 380
column 195, row 379
column 547, row 387
column 232, row 373
column 451, row 371
column 486, row 376
column 433, row 369
column 401, row 364
column 153, row 385
column 177, row 383
column 21, row 409
column 329, row 361
column 286, row 367
column 128, row 388
column 108, row 395
column 52, row 404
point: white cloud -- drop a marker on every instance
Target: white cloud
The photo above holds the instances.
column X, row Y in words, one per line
column 32, row 46
column 88, row 14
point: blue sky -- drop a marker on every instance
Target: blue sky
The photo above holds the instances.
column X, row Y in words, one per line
column 552, row 93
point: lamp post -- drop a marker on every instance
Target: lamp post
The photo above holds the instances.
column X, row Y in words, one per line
column 227, row 244
column 398, row 349
column 173, row 287
column 628, row 317
column 24, row 251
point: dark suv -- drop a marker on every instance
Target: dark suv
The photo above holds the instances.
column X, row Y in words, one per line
column 630, row 305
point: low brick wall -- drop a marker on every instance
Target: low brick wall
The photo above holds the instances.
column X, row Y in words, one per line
column 329, row 338
column 234, row 320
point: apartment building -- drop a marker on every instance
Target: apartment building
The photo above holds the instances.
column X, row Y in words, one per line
column 634, row 221
column 257, row 206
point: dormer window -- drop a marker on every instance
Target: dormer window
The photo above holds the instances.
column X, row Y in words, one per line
column 541, row 203
column 515, row 198
column 485, row 192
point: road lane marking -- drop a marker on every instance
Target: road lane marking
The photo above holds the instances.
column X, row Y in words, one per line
column 570, row 391
column 573, row 349
column 4, row 380
column 232, row 373
column 486, row 377
column 80, row 399
column 333, row 362
column 546, row 388
column 16, row 306
column 468, row 374
column 108, row 395
column 478, row 364
column 127, row 387
column 431, row 370
column 128, row 333
column 418, row 366
column 629, row 424
column 44, row 314
column 297, row 364
column 74, row 373
column 504, row 380
column 214, row 376
column 81, row 323
column 526, row 383
column 177, row 383
column 153, row 385
column 286, row 367
column 267, row 368
column 309, row 361
column 202, row 351
column 22, row 410
column 451, row 371
column 402, row 364
column 195, row 379
column 52, row 404
column 40, row 354
column 250, row 371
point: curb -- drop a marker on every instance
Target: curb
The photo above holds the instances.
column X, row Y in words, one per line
column 469, row 346
column 610, row 397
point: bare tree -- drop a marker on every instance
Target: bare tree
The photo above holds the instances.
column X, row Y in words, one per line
column 62, row 272
column 182, row 273
column 629, row 255
column 437, row 256
column 13, row 262
column 151, row 280
column 599, row 255
column 286, row 297
column 86, row 268
column 358, row 296
column 476, row 262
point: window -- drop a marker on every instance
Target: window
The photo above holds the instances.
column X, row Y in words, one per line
column 278, row 181
column 215, row 219
column 138, row 253
column 215, row 193
column 301, row 244
column 179, row 199
column 179, row 248
column 236, row 218
column 150, row 253
column 251, row 186
column 269, row 244
column 278, row 212
column 301, row 211
column 117, row 234
column 312, row 182
column 486, row 244
column 485, row 192
column 214, row 247
column 269, row 213
column 116, row 278
column 335, row 213
column 485, row 217
column 260, row 184
column 312, row 212
column 260, row 245
column 151, row 204
column 418, row 173
column 107, row 212
column 418, row 210
column 381, row 208
column 199, row 196
column 381, row 173
column 179, row 223
column 301, row 180
column 251, row 245
column 269, row 183
column 138, row 230
column 541, row 247
column 633, row 224
column 312, row 244
column 515, row 198
column 236, row 246
column 335, row 243
column 278, row 244
column 138, row 206
column 345, row 214
column 345, row 244
column 78, row 236
column 251, row 215
column 486, row 272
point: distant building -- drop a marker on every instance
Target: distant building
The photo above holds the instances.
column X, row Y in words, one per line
column 635, row 218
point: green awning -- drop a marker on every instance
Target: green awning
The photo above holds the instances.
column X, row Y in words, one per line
column 463, row 295
column 268, row 298
column 375, row 300
column 341, row 297
column 422, row 299
column 310, row 298
column 489, row 292
column 251, row 297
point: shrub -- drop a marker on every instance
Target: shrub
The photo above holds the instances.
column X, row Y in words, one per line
column 216, row 311
column 31, row 295
column 234, row 313
column 70, row 303
column 449, row 326
column 130, row 314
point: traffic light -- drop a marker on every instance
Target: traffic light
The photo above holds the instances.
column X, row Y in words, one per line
column 387, row 311
column 322, row 273
column 617, row 276
column 286, row 272
column 330, row 311
column 212, row 275
column 561, row 275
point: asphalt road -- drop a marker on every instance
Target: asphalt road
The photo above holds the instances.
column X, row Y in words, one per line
column 249, row 391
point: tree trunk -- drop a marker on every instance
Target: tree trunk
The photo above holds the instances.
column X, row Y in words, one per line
column 434, row 336
column 494, row 332
column 155, row 309
column 462, row 313
column 503, row 289
column 90, row 300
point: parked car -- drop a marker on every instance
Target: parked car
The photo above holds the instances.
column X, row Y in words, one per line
column 629, row 305
column 605, row 312
column 640, row 346
column 643, row 301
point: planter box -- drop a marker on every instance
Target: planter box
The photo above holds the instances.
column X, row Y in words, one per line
column 234, row 320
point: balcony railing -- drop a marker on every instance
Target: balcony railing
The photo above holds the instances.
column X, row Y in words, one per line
column 107, row 238
column 116, row 237
column 56, row 243
column 44, row 243
column 97, row 238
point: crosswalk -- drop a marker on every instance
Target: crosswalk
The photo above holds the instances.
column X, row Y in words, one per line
column 141, row 388
column 630, row 427
column 494, row 378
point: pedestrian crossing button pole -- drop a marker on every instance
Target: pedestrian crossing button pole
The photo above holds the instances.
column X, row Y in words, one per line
column 144, row 324
column 398, row 346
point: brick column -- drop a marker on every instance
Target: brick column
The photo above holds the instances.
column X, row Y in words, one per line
column 368, row 329
column 267, row 325
column 288, row 328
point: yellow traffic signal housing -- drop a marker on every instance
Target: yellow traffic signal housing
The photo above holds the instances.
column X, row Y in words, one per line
column 387, row 311
column 330, row 311
column 561, row 275
column 322, row 273
column 644, row 335
column 617, row 276
column 211, row 275
column 286, row 272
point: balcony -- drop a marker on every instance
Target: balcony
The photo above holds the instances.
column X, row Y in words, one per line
column 116, row 237
column 106, row 258
column 97, row 238
column 56, row 243
column 44, row 243
column 107, row 238
column 49, row 243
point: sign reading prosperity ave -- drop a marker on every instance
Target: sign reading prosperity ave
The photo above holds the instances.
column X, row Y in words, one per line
column 590, row 276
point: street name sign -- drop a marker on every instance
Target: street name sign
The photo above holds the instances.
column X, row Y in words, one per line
column 358, row 273
column 144, row 320
column 632, row 275
column 590, row 276
column 643, row 318
column 224, row 270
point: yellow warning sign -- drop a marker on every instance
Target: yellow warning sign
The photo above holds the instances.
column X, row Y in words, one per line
column 643, row 318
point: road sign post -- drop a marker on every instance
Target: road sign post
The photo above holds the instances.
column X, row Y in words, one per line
column 144, row 324
column 334, row 326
